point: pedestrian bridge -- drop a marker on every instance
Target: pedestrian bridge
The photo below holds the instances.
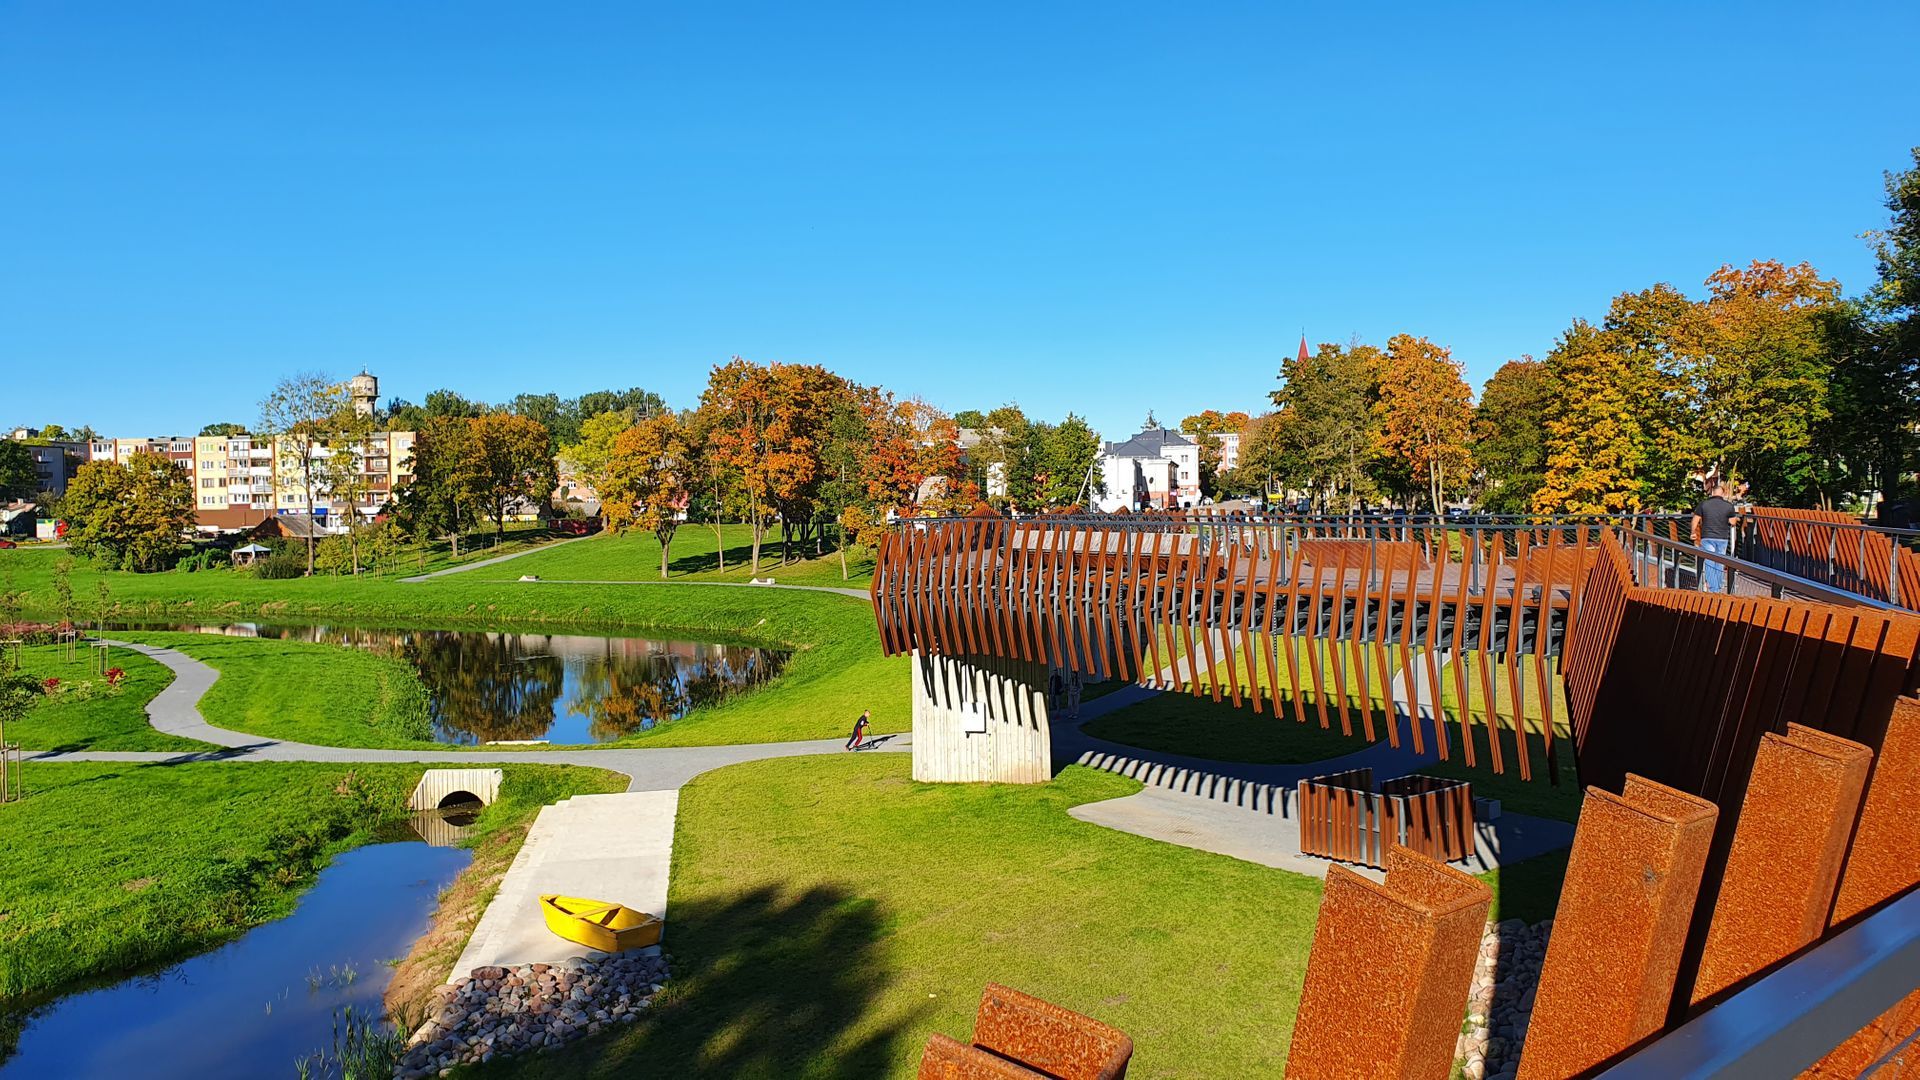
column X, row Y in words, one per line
column 1485, row 641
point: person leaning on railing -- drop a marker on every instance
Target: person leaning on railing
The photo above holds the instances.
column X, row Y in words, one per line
column 1713, row 522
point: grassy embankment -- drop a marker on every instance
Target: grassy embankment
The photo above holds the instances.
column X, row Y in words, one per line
column 695, row 556
column 828, row 915
column 835, row 671
column 89, row 715
column 110, row 868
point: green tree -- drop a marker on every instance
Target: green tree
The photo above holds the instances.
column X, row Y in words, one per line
column 591, row 450
column 1064, row 458
column 18, row 479
column 1325, row 423
column 131, row 516
column 1510, row 435
column 433, row 502
column 224, row 429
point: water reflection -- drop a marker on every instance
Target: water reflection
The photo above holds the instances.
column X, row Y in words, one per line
column 445, row 827
column 496, row 687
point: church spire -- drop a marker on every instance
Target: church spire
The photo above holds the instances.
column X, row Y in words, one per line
column 1303, row 348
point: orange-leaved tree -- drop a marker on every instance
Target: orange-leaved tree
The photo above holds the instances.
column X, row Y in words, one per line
column 1426, row 414
column 648, row 479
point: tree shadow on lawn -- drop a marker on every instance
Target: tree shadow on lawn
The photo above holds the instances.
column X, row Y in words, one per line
column 740, row 557
column 763, row 985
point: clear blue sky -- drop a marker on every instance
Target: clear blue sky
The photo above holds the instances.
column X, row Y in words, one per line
column 1104, row 208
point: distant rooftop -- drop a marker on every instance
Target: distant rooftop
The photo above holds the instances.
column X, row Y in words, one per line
column 1147, row 443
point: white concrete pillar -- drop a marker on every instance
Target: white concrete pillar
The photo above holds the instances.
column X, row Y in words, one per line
column 980, row 720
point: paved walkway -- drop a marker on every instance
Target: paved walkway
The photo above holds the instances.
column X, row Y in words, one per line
column 602, row 847
column 495, row 561
column 1245, row 810
column 858, row 594
column 175, row 710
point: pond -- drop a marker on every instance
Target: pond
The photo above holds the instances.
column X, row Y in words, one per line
column 257, row 1004
column 562, row 688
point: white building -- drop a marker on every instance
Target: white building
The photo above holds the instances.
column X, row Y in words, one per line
column 1155, row 468
column 1229, row 443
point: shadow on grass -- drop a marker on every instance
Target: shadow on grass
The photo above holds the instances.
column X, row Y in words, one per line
column 740, row 557
column 764, row 985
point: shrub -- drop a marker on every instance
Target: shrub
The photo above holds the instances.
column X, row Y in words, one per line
column 32, row 633
column 115, row 675
column 285, row 562
column 50, row 685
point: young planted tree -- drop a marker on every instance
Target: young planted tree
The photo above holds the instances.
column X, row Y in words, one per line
column 648, row 479
column 343, row 474
column 131, row 516
column 300, row 416
column 1426, row 414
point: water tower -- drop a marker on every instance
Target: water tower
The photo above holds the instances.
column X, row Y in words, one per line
column 364, row 389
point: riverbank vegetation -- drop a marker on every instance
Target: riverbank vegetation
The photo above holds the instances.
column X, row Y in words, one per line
column 112, row 868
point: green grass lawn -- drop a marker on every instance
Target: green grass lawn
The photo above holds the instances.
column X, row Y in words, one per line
column 828, row 914
column 89, row 715
column 109, row 868
column 329, row 695
column 835, row 671
column 695, row 556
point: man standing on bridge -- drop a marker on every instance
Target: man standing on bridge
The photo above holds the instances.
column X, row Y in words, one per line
column 1713, row 532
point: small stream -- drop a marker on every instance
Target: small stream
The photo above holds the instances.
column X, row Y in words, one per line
column 254, row 1006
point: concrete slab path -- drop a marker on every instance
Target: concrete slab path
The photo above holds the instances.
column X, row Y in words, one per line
column 601, row 847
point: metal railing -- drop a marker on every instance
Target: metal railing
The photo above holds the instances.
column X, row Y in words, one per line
column 1664, row 563
column 1875, row 561
column 1789, row 1020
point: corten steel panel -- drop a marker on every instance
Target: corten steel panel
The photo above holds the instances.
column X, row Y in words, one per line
column 1388, row 976
column 1777, row 887
column 1627, row 900
column 1056, row 1042
column 948, row 1059
column 1882, row 862
column 1883, row 859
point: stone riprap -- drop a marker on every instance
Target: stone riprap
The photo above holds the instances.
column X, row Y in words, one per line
column 496, row 1011
column 1504, row 979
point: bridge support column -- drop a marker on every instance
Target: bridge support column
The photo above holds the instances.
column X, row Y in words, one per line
column 980, row 720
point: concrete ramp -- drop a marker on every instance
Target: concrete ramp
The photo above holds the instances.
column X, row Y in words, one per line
column 437, row 784
column 603, row 847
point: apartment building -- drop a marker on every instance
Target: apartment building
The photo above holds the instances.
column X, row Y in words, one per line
column 232, row 479
column 54, row 460
column 383, row 463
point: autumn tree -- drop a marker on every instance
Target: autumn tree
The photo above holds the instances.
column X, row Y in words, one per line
column 648, row 478
column 1260, row 458
column 508, row 463
column 131, row 516
column 1510, row 435
column 1425, row 412
column 765, row 426
column 1875, row 399
column 301, row 415
column 343, row 473
column 1594, row 433
column 1206, row 427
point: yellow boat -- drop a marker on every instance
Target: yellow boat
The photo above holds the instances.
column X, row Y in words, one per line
column 599, row 924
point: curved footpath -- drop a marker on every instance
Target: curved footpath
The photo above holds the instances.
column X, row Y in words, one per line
column 859, row 594
column 176, row 711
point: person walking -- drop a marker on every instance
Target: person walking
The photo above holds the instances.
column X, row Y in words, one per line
column 1713, row 522
column 860, row 730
